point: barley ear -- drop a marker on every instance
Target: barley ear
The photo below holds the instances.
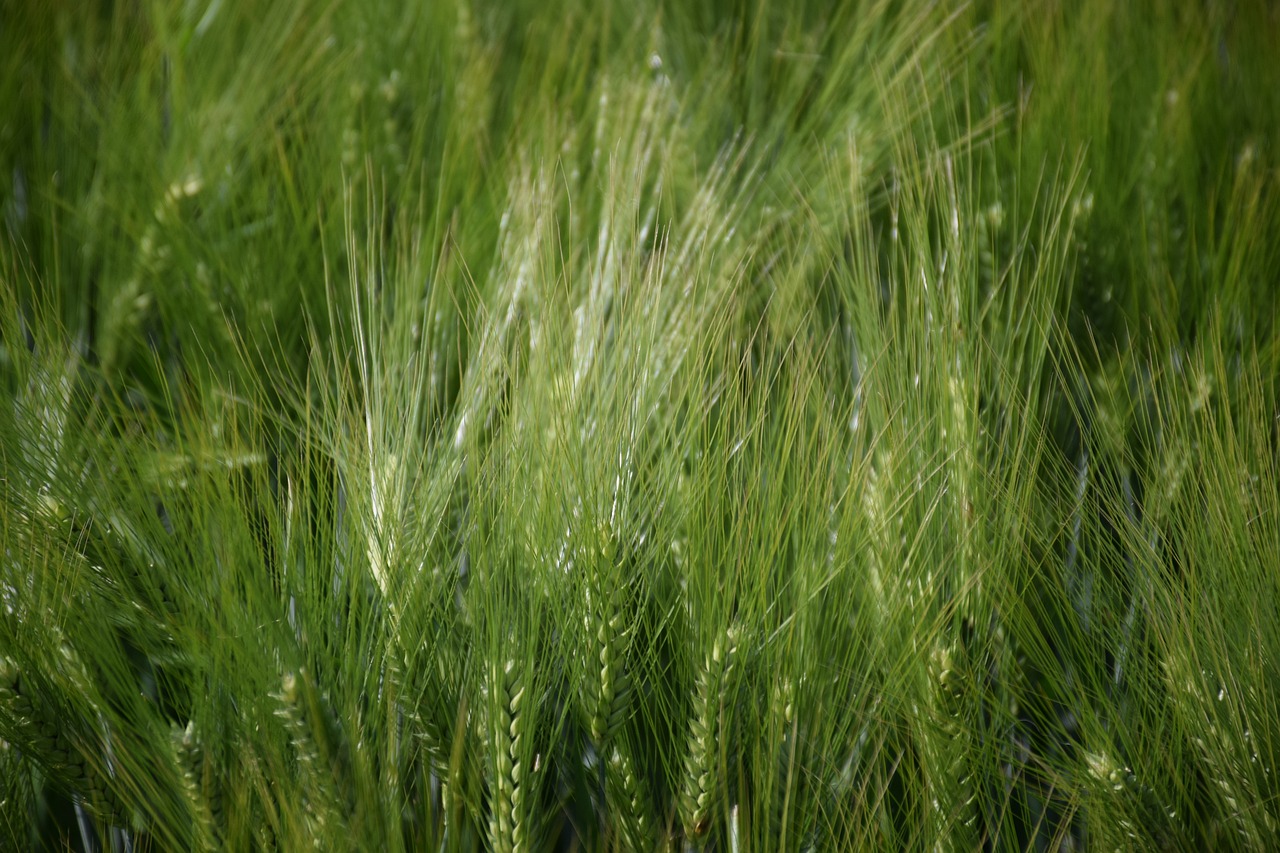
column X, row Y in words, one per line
column 629, row 801
column 321, row 802
column 956, row 812
column 782, row 706
column 700, row 788
column 607, row 695
column 189, row 756
column 606, row 684
column 509, row 809
column 39, row 734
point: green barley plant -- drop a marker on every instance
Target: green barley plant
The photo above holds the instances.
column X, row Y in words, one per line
column 660, row 426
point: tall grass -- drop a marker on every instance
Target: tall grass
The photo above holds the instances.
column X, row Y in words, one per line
column 639, row 426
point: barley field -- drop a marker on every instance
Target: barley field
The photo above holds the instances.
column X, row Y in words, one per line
column 652, row 426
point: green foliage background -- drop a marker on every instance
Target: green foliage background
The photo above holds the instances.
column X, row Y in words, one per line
column 633, row 426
